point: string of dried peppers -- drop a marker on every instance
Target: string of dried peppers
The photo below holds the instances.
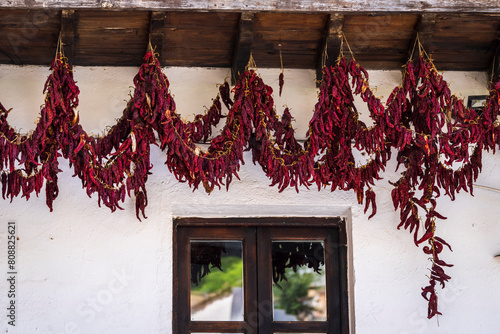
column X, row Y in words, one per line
column 431, row 130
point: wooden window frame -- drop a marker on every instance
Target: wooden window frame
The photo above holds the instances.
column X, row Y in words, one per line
column 330, row 230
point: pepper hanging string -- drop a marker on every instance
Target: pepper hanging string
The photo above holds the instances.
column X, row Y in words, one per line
column 412, row 123
column 281, row 77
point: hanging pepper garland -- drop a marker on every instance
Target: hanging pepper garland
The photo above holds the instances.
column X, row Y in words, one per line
column 419, row 126
column 431, row 130
column 335, row 129
column 118, row 163
column 111, row 166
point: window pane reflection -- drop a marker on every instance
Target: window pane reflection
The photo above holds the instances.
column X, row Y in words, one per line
column 299, row 289
column 216, row 281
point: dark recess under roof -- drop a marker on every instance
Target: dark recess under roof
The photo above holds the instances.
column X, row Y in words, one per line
column 97, row 37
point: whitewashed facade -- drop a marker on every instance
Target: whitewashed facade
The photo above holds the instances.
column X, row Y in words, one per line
column 83, row 269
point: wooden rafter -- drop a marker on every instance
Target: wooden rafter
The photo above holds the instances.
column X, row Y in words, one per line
column 425, row 32
column 495, row 66
column 243, row 46
column 331, row 44
column 68, row 33
column 157, row 31
column 345, row 6
column 495, row 49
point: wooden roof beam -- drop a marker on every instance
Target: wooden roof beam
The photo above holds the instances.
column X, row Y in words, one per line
column 306, row 6
column 495, row 49
column 495, row 66
column 69, row 24
column 243, row 47
column 425, row 32
column 331, row 44
column 157, row 31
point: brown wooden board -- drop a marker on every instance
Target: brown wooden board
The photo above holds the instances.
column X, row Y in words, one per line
column 109, row 38
column 28, row 37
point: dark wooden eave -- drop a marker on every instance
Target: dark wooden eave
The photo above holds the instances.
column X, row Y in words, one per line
column 192, row 33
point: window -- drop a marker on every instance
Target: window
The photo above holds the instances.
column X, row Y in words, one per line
column 260, row 275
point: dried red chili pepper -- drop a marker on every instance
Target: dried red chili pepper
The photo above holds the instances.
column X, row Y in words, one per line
column 281, row 82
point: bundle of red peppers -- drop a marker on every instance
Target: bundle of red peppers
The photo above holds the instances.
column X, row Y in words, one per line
column 431, row 130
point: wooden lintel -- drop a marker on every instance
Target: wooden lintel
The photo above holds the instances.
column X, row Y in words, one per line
column 243, row 47
column 344, row 6
column 331, row 44
column 68, row 33
column 425, row 32
column 157, row 31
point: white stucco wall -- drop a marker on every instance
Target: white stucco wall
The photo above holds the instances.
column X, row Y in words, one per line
column 83, row 269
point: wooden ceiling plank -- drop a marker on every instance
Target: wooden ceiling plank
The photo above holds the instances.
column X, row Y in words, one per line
column 69, row 23
column 331, row 45
column 157, row 31
column 243, row 47
column 270, row 21
column 205, row 20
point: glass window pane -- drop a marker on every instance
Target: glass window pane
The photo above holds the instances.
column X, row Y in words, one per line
column 299, row 285
column 216, row 281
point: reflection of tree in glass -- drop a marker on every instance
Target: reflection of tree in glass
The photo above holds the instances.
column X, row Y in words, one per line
column 297, row 266
column 222, row 281
column 292, row 294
